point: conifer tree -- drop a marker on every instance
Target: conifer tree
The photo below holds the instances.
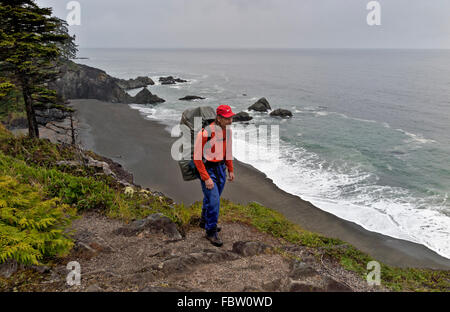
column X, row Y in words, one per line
column 32, row 42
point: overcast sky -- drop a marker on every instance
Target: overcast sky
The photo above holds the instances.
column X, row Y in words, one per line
column 258, row 23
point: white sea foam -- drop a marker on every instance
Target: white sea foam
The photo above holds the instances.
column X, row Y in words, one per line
column 345, row 191
column 156, row 79
column 415, row 137
column 158, row 83
column 133, row 92
column 354, row 195
column 166, row 115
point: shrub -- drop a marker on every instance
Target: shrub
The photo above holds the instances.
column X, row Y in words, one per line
column 31, row 227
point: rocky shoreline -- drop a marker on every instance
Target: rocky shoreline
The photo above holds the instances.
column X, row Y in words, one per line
column 154, row 255
column 80, row 81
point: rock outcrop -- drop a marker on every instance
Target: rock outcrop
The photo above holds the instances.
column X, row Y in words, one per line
column 154, row 223
column 8, row 268
column 103, row 165
column 45, row 115
column 242, row 116
column 138, row 82
column 170, row 80
column 283, row 113
column 146, row 97
column 191, row 98
column 247, row 249
column 79, row 81
column 262, row 105
column 84, row 82
column 304, row 278
column 15, row 123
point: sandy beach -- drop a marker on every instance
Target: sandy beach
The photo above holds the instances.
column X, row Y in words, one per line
column 143, row 148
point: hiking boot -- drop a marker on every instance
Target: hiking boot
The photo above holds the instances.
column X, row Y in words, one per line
column 203, row 223
column 215, row 239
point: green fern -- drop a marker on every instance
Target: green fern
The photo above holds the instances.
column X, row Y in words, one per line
column 31, row 227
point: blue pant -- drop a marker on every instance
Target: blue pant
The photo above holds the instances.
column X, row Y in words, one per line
column 211, row 199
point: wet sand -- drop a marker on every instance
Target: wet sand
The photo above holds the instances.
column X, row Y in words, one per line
column 143, row 148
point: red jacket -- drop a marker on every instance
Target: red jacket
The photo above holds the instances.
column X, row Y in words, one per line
column 208, row 153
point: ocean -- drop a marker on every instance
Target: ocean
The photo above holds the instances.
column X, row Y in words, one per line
column 369, row 140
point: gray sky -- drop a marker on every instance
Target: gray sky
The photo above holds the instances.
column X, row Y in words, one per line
column 258, row 23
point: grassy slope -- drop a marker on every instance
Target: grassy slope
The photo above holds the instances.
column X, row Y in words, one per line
column 31, row 165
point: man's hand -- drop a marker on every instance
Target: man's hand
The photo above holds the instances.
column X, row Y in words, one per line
column 209, row 184
column 231, row 176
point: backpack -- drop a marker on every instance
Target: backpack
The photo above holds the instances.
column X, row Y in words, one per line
column 208, row 114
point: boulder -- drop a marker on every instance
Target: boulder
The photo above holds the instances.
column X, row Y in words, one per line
column 251, row 289
column 40, row 268
column 301, row 270
column 88, row 245
column 154, row 223
column 146, row 97
column 138, row 82
column 283, row 113
column 8, row 268
column 304, row 287
column 161, row 289
column 15, row 123
column 324, row 284
column 242, row 116
column 188, row 262
column 191, row 97
column 275, row 285
column 94, row 288
column 304, row 278
column 335, row 286
column 248, row 249
column 45, row 115
column 262, row 105
column 170, row 80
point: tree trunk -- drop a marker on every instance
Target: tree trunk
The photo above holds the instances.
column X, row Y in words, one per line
column 33, row 130
column 72, row 129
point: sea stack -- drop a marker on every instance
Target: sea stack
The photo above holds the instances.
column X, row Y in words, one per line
column 262, row 105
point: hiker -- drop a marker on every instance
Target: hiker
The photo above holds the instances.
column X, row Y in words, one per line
column 211, row 166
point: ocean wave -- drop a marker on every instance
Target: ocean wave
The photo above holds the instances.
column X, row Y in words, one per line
column 352, row 193
column 156, row 79
column 166, row 115
column 415, row 137
column 418, row 138
column 133, row 92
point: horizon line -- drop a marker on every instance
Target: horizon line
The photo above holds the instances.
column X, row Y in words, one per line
column 261, row 48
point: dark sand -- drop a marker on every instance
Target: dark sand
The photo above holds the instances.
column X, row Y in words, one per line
column 143, row 148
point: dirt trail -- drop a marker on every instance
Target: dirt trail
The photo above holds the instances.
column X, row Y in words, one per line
column 153, row 261
column 153, row 256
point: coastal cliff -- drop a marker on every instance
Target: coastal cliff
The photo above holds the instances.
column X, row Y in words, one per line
column 127, row 238
column 80, row 81
column 88, row 208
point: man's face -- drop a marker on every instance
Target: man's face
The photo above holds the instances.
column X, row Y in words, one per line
column 224, row 121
